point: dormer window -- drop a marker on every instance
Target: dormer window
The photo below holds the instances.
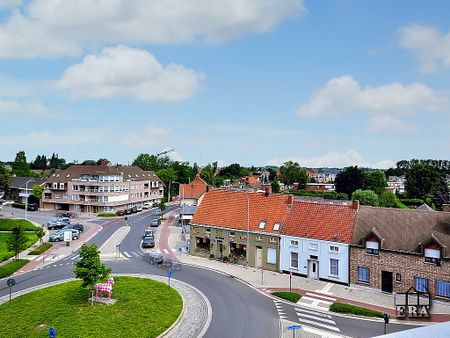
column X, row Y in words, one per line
column 276, row 226
column 372, row 247
column 262, row 225
column 432, row 255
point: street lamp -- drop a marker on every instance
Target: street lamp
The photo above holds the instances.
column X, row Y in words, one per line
column 248, row 229
column 181, row 204
column 26, row 196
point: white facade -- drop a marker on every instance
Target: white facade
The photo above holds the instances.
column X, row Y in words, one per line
column 317, row 259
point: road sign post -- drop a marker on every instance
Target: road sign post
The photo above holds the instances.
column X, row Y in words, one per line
column 386, row 321
column 294, row 328
column 11, row 282
column 290, row 282
column 118, row 250
column 51, row 332
column 169, row 274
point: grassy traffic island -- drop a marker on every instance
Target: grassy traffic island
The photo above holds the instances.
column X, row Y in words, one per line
column 144, row 308
column 293, row 297
column 354, row 310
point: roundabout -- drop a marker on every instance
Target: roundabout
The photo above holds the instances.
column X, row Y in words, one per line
column 144, row 307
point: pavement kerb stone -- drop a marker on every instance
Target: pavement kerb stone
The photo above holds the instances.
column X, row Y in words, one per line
column 175, row 323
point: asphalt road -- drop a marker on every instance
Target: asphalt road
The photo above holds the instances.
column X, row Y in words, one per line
column 238, row 310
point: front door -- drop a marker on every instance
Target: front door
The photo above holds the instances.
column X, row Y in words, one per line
column 313, row 269
column 258, row 262
column 386, row 281
column 219, row 250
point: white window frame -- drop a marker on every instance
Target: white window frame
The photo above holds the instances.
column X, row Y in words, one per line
column 334, row 248
column 293, row 242
column 272, row 240
column 262, row 225
column 314, row 246
column 337, row 267
column 290, row 261
column 259, row 238
column 276, row 226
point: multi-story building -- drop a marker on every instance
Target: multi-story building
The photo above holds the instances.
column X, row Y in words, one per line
column 22, row 188
column 396, row 184
column 102, row 188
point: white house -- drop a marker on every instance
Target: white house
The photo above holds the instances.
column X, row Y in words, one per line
column 315, row 240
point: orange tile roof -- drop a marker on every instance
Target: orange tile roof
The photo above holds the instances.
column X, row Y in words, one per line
column 330, row 222
column 195, row 189
column 229, row 209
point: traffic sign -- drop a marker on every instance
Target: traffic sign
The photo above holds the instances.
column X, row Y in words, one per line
column 11, row 282
column 169, row 273
column 294, row 327
column 52, row 332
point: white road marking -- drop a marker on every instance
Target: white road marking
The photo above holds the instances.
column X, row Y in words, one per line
column 320, row 296
column 316, row 301
column 311, row 322
column 75, row 257
column 126, row 254
column 326, row 289
column 304, row 315
column 317, row 314
column 134, row 254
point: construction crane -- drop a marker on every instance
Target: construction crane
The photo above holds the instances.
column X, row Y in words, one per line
column 165, row 152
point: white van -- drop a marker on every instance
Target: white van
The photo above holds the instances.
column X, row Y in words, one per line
column 147, row 205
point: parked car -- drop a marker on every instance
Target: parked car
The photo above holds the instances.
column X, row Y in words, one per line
column 77, row 226
column 59, row 236
column 154, row 222
column 134, row 210
column 120, row 212
column 147, row 205
column 148, row 232
column 32, row 207
column 128, row 211
column 64, row 214
column 58, row 223
column 148, row 242
column 139, row 208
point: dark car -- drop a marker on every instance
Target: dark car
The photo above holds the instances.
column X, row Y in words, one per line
column 32, row 207
column 120, row 212
column 128, row 211
column 78, row 227
column 134, row 210
column 64, row 214
column 157, row 212
column 148, row 242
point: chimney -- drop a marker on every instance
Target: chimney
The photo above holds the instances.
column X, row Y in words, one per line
column 290, row 200
column 446, row 207
column 267, row 190
column 355, row 204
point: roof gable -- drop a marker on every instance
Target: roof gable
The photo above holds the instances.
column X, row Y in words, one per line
column 195, row 189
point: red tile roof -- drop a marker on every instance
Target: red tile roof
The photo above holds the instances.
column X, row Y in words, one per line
column 229, row 209
column 330, row 222
column 195, row 189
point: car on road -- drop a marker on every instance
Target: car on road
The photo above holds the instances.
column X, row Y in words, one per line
column 153, row 257
column 148, row 242
column 58, row 223
column 32, row 207
column 147, row 205
column 148, row 232
column 157, row 212
column 64, row 214
column 154, row 222
column 121, row 212
column 59, row 236
column 76, row 226
column 139, row 208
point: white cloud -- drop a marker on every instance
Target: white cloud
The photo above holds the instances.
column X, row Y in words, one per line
column 388, row 123
column 349, row 157
column 122, row 71
column 9, row 3
column 428, row 43
column 148, row 137
column 13, row 108
column 53, row 28
column 384, row 104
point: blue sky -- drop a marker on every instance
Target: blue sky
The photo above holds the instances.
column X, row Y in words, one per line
column 323, row 83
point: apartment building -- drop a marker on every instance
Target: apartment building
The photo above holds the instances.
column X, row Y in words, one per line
column 102, row 188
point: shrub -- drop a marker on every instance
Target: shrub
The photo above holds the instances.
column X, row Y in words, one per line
column 412, row 202
column 18, row 205
column 107, row 214
column 366, row 197
column 225, row 259
column 9, row 268
column 290, row 296
column 330, row 195
column 353, row 309
column 211, row 256
column 40, row 249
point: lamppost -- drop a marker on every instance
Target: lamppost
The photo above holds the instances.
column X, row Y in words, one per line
column 248, row 229
column 181, row 202
column 26, row 197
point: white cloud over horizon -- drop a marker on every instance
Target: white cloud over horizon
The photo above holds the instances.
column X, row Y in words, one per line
column 18, row 108
column 54, row 28
column 428, row 44
column 122, row 71
column 335, row 159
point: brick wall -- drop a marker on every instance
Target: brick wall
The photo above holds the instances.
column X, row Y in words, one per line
column 409, row 266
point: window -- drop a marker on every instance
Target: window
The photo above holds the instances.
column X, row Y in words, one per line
column 294, row 260
column 363, row 275
column 232, row 233
column 272, row 240
column 313, row 246
column 334, row 267
column 271, row 256
column 372, row 248
column 398, row 277
column 421, row 284
column 443, row 288
column 334, row 248
column 433, row 256
column 259, row 238
column 276, row 226
column 294, row 243
column 61, row 186
column 262, row 225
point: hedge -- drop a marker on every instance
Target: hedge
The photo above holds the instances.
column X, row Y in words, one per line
column 40, row 249
column 290, row 296
column 330, row 195
column 7, row 224
column 353, row 309
column 9, row 268
column 107, row 214
column 412, row 202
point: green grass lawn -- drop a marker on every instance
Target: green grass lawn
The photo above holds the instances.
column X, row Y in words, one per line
column 41, row 248
column 107, row 214
column 144, row 308
column 290, row 296
column 4, row 253
column 9, row 268
column 353, row 309
column 7, row 224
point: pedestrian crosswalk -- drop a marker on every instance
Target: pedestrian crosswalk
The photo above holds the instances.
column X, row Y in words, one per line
column 280, row 309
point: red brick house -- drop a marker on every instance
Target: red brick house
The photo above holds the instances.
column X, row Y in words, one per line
column 192, row 193
column 395, row 249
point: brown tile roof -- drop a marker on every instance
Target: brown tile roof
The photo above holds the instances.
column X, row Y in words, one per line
column 330, row 222
column 129, row 172
column 229, row 209
column 195, row 189
column 403, row 230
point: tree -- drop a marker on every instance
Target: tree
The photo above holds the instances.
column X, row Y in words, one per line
column 40, row 163
column 100, row 160
column 54, row 162
column 349, row 180
column 231, row 171
column 20, row 167
column 275, row 186
column 195, row 169
column 17, row 240
column 37, row 191
column 4, row 178
column 388, row 199
column 146, row 162
column 40, row 233
column 167, row 175
column 162, row 206
column 291, row 173
column 207, row 174
column 440, row 193
column 89, row 162
column 366, row 197
column 420, row 179
column 89, row 267
column 375, row 181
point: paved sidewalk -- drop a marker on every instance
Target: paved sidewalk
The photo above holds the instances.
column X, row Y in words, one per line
column 318, row 294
